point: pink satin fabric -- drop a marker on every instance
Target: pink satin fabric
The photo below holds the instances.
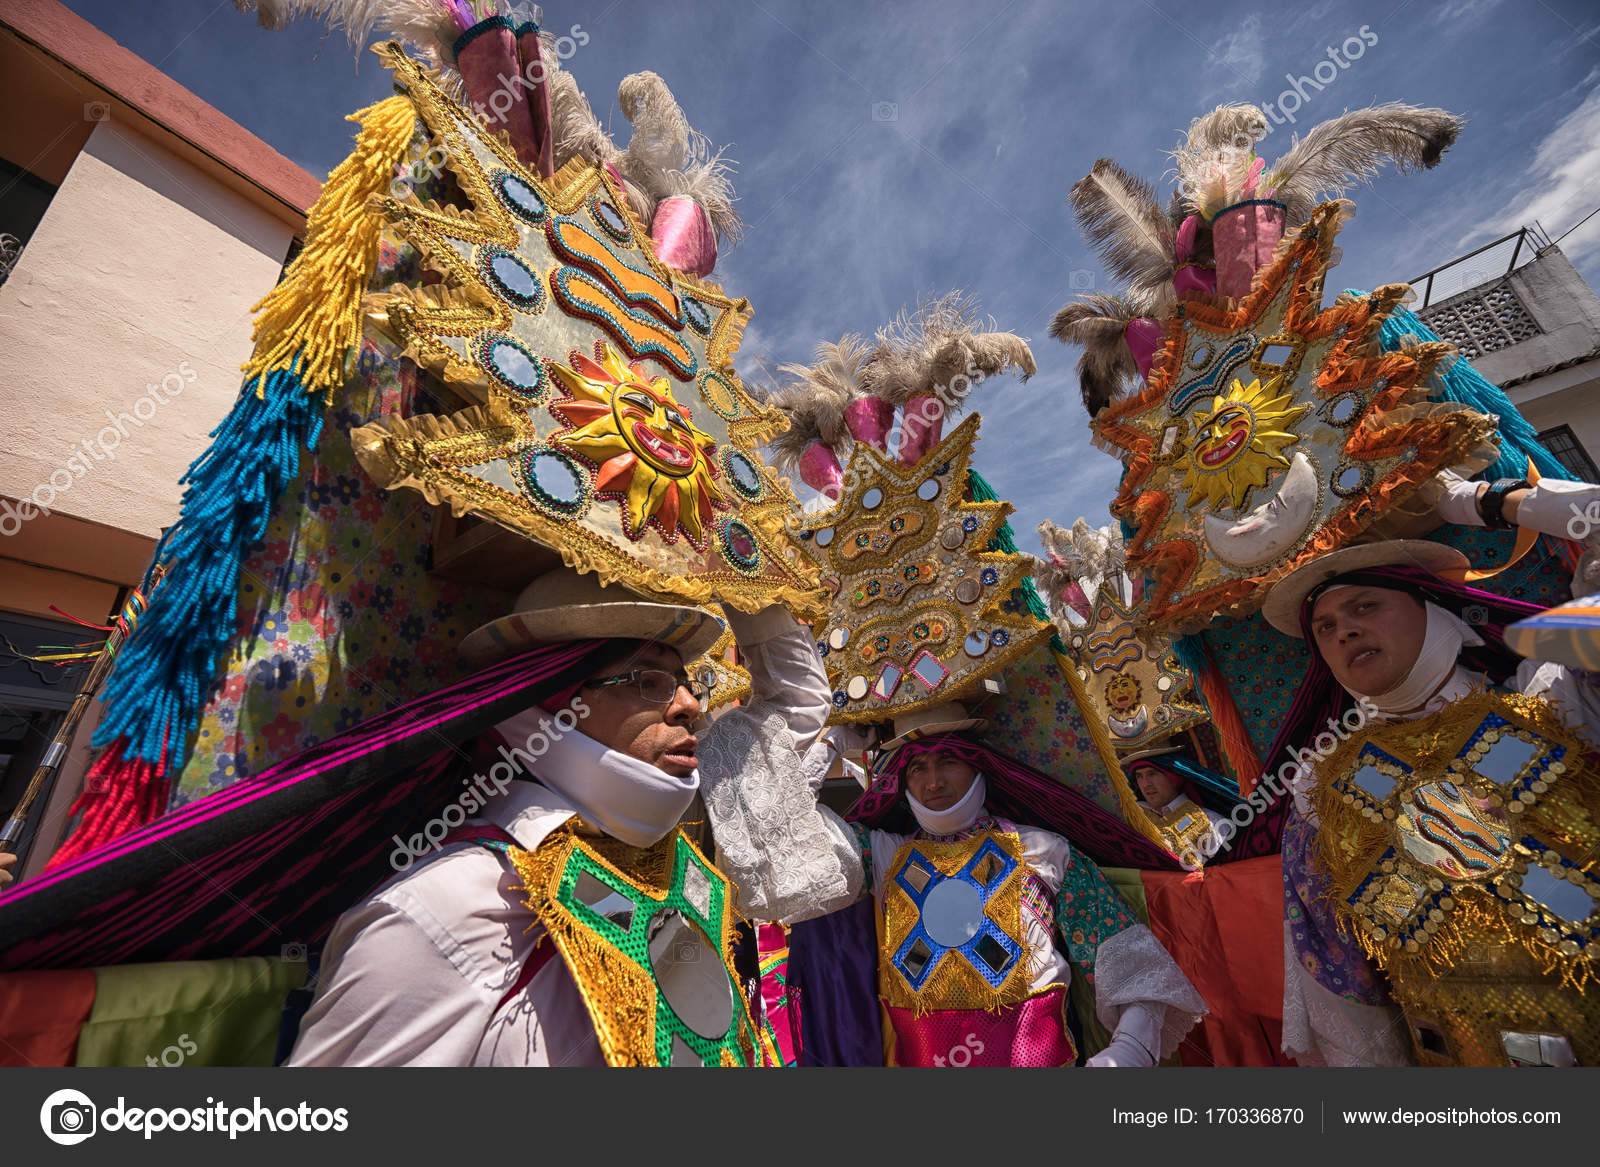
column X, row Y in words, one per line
column 531, row 53
column 1244, row 238
column 1186, row 237
column 869, row 419
column 492, row 69
column 921, row 427
column 1076, row 600
column 1192, row 278
column 1032, row 1033
column 1143, row 336
column 683, row 236
column 820, row 469
column 782, row 1014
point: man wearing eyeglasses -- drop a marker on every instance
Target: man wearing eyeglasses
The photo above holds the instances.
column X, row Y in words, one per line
column 455, row 961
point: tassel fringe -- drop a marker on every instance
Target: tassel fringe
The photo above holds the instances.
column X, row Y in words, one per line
column 159, row 685
column 119, row 795
column 307, row 331
column 312, row 320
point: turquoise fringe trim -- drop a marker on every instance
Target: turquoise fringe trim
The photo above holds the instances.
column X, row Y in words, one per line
column 1223, row 795
column 1005, row 540
column 164, row 674
column 1519, row 441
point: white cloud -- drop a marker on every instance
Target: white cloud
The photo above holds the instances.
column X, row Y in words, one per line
column 1462, row 12
column 1241, row 56
column 1564, row 178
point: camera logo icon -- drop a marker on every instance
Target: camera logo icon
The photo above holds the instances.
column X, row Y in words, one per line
column 68, row 1117
column 885, row 111
column 292, row 954
column 96, row 111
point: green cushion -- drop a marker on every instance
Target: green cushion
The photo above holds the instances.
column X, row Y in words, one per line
column 190, row 1013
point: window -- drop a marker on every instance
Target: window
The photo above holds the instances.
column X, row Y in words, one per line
column 1564, row 444
column 23, row 199
column 34, row 698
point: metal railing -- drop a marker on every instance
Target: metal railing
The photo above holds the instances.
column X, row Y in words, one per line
column 1533, row 236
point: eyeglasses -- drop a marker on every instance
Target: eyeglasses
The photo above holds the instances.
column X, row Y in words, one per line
column 656, row 686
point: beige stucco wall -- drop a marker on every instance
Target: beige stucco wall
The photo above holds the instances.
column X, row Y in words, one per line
column 142, row 274
column 1569, row 397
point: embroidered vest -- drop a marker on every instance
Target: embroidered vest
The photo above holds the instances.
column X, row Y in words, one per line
column 1185, row 829
column 955, row 970
column 647, row 934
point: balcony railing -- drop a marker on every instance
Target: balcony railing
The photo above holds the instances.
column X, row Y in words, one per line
column 1532, row 239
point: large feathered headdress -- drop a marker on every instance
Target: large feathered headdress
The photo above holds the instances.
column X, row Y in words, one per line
column 1158, row 255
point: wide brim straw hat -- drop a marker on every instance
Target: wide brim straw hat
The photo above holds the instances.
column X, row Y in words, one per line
column 563, row 605
column 1282, row 608
column 951, row 717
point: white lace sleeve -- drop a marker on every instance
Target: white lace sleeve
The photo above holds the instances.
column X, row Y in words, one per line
column 789, row 860
column 1133, row 968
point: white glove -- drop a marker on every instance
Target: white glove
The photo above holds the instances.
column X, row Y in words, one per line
column 1137, row 1036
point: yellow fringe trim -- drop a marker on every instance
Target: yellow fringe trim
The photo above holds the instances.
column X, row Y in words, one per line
column 313, row 316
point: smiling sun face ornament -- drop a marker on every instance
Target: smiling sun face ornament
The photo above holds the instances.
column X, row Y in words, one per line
column 1238, row 446
column 646, row 450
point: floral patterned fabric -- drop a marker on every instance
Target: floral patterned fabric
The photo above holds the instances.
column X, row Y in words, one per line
column 1089, row 911
column 339, row 616
column 1041, row 725
column 1334, row 958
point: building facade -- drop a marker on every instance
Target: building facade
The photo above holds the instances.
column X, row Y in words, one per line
column 1533, row 329
column 138, row 226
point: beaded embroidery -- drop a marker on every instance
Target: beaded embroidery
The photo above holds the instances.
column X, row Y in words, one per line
column 603, row 903
column 537, row 275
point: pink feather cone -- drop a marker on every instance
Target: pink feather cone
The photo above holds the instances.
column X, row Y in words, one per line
column 1244, row 238
column 491, row 67
column 820, row 469
column 921, row 427
column 869, row 419
column 1143, row 336
column 683, row 236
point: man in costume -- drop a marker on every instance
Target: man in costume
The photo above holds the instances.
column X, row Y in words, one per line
column 983, row 922
column 1358, row 610
column 1193, row 831
column 447, row 964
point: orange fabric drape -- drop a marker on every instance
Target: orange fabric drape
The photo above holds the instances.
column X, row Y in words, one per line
column 41, row 1014
column 1224, row 927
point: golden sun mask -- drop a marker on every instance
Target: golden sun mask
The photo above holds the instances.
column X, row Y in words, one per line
column 646, row 447
column 1237, row 445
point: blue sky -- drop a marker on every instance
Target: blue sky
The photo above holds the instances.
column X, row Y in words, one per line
column 894, row 150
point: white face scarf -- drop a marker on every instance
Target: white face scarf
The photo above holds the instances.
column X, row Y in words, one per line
column 1442, row 643
column 628, row 799
column 957, row 817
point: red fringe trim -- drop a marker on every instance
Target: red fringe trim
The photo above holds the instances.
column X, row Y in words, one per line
column 119, row 795
column 1237, row 748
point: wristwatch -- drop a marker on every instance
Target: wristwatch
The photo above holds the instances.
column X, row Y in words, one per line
column 1493, row 501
